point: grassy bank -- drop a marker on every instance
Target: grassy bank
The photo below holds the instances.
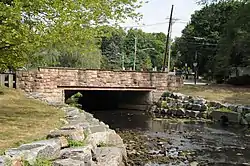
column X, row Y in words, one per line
column 223, row 93
column 24, row 120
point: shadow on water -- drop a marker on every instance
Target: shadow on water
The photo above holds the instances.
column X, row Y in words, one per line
column 214, row 144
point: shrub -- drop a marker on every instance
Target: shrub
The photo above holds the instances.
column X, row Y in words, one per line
column 74, row 99
column 241, row 80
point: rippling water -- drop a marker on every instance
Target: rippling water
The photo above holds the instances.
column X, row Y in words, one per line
column 213, row 144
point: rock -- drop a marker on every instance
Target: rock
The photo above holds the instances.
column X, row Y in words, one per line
column 180, row 112
column 71, row 162
column 98, row 128
column 199, row 101
column 196, row 107
column 2, row 160
column 74, row 134
column 226, row 116
column 46, row 149
column 64, row 121
column 64, row 142
column 83, row 154
column 194, row 163
column 243, row 121
column 247, row 118
column 108, row 137
column 204, row 107
column 110, row 156
column 191, row 114
column 153, row 109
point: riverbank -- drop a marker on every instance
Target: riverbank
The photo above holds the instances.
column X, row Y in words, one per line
column 221, row 93
column 82, row 139
column 24, row 120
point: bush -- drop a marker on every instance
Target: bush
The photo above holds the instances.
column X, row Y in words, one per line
column 241, row 80
column 74, row 99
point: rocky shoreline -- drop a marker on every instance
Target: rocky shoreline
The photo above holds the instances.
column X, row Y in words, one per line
column 177, row 105
column 82, row 140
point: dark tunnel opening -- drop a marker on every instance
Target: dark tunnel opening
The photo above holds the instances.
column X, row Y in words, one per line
column 101, row 100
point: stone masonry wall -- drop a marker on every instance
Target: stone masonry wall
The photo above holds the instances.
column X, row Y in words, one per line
column 51, row 82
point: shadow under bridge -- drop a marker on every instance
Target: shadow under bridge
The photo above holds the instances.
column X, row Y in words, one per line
column 112, row 98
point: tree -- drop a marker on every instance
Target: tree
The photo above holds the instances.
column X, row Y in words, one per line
column 203, row 34
column 112, row 48
column 29, row 26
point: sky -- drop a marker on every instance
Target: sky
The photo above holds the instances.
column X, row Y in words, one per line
column 157, row 11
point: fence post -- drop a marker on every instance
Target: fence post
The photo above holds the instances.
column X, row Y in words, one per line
column 10, row 80
column 2, row 79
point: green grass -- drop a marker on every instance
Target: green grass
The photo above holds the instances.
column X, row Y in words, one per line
column 73, row 143
column 225, row 110
column 222, row 93
column 39, row 162
column 24, row 120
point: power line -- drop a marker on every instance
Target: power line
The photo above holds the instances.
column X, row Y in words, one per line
column 155, row 24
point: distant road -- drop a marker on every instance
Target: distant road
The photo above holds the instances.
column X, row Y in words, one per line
column 191, row 82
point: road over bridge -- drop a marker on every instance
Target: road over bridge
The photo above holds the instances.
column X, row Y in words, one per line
column 100, row 88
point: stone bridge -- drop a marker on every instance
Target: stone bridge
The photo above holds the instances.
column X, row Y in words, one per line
column 99, row 87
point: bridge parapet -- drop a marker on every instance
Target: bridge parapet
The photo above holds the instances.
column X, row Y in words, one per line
column 51, row 82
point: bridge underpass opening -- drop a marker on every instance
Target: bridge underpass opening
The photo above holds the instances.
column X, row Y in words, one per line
column 100, row 100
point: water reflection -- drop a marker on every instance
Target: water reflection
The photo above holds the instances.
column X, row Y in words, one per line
column 214, row 144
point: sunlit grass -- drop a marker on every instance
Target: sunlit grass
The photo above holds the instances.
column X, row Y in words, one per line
column 223, row 93
column 23, row 120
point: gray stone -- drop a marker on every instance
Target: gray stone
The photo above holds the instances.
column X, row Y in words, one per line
column 98, row 128
column 75, row 134
column 180, row 112
column 2, row 159
column 230, row 116
column 110, row 156
column 71, row 162
column 204, row 107
column 83, row 154
column 108, row 137
column 46, row 149
column 191, row 113
column 243, row 121
column 247, row 118
column 196, row 107
column 153, row 109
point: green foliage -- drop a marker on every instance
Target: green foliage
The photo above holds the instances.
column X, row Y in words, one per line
column 223, row 109
column 164, row 104
column 73, row 143
column 74, row 99
column 205, row 35
column 27, row 28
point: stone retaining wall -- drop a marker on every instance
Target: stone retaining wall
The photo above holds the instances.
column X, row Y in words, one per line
column 183, row 106
column 83, row 140
column 51, row 82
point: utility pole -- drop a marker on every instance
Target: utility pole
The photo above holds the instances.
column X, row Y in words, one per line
column 168, row 39
column 135, row 53
column 123, row 61
column 195, row 68
column 169, row 48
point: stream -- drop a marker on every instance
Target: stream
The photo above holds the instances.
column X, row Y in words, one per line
column 161, row 142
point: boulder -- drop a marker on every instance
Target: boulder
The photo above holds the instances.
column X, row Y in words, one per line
column 76, row 155
column 191, row 113
column 180, row 112
column 2, row 160
column 74, row 134
column 110, row 156
column 196, row 107
column 226, row 116
column 247, row 118
column 98, row 128
column 71, row 162
column 108, row 137
column 46, row 149
column 243, row 121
